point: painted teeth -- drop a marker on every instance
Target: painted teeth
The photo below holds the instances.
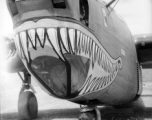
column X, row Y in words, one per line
column 79, row 45
column 85, row 42
column 32, row 37
column 41, row 36
column 24, row 44
column 78, row 42
column 52, row 33
column 103, row 68
column 72, row 41
column 88, row 45
column 17, row 43
column 64, row 38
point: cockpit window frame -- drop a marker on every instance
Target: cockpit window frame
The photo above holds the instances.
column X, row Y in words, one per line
column 84, row 12
column 59, row 4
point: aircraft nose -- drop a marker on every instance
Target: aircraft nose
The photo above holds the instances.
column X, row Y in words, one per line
column 22, row 10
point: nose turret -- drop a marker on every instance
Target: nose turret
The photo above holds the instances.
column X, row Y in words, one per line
column 22, row 10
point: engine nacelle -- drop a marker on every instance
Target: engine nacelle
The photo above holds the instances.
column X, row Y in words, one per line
column 12, row 62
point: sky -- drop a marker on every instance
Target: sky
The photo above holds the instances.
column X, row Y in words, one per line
column 6, row 25
column 136, row 13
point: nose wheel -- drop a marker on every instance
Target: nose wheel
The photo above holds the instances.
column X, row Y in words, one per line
column 27, row 102
column 27, row 106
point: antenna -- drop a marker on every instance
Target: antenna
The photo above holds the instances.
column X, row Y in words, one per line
column 110, row 3
column 113, row 6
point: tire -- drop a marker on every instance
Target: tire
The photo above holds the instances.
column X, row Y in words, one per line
column 27, row 106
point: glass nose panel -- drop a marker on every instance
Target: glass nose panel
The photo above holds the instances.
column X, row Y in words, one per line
column 53, row 72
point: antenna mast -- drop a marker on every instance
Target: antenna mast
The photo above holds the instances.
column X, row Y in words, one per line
column 110, row 3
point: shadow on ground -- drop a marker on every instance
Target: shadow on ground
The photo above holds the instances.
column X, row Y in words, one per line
column 126, row 113
column 61, row 109
column 134, row 111
column 48, row 114
column 108, row 113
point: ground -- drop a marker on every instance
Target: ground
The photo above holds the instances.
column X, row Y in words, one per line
column 51, row 108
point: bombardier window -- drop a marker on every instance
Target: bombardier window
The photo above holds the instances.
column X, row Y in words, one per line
column 84, row 12
column 59, row 4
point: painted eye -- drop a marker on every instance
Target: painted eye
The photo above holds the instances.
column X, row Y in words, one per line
column 59, row 4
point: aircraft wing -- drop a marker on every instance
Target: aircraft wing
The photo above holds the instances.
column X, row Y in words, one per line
column 144, row 50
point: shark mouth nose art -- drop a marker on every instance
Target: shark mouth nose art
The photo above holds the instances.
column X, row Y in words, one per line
column 73, row 39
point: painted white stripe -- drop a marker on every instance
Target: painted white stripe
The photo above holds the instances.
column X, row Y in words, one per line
column 94, row 84
column 110, row 66
column 90, row 47
column 103, row 60
column 24, row 44
column 98, row 60
column 40, row 32
column 29, row 43
column 52, row 33
column 106, row 63
column 98, row 83
column 81, row 42
column 101, row 55
column 63, row 33
column 85, row 43
column 72, row 38
column 47, row 43
column 17, row 44
column 32, row 37
column 78, row 39
column 96, row 53
column 21, row 47
column 93, row 52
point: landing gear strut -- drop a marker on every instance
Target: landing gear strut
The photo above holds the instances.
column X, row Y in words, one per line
column 90, row 113
column 27, row 103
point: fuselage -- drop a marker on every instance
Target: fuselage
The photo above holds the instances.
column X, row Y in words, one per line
column 78, row 50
